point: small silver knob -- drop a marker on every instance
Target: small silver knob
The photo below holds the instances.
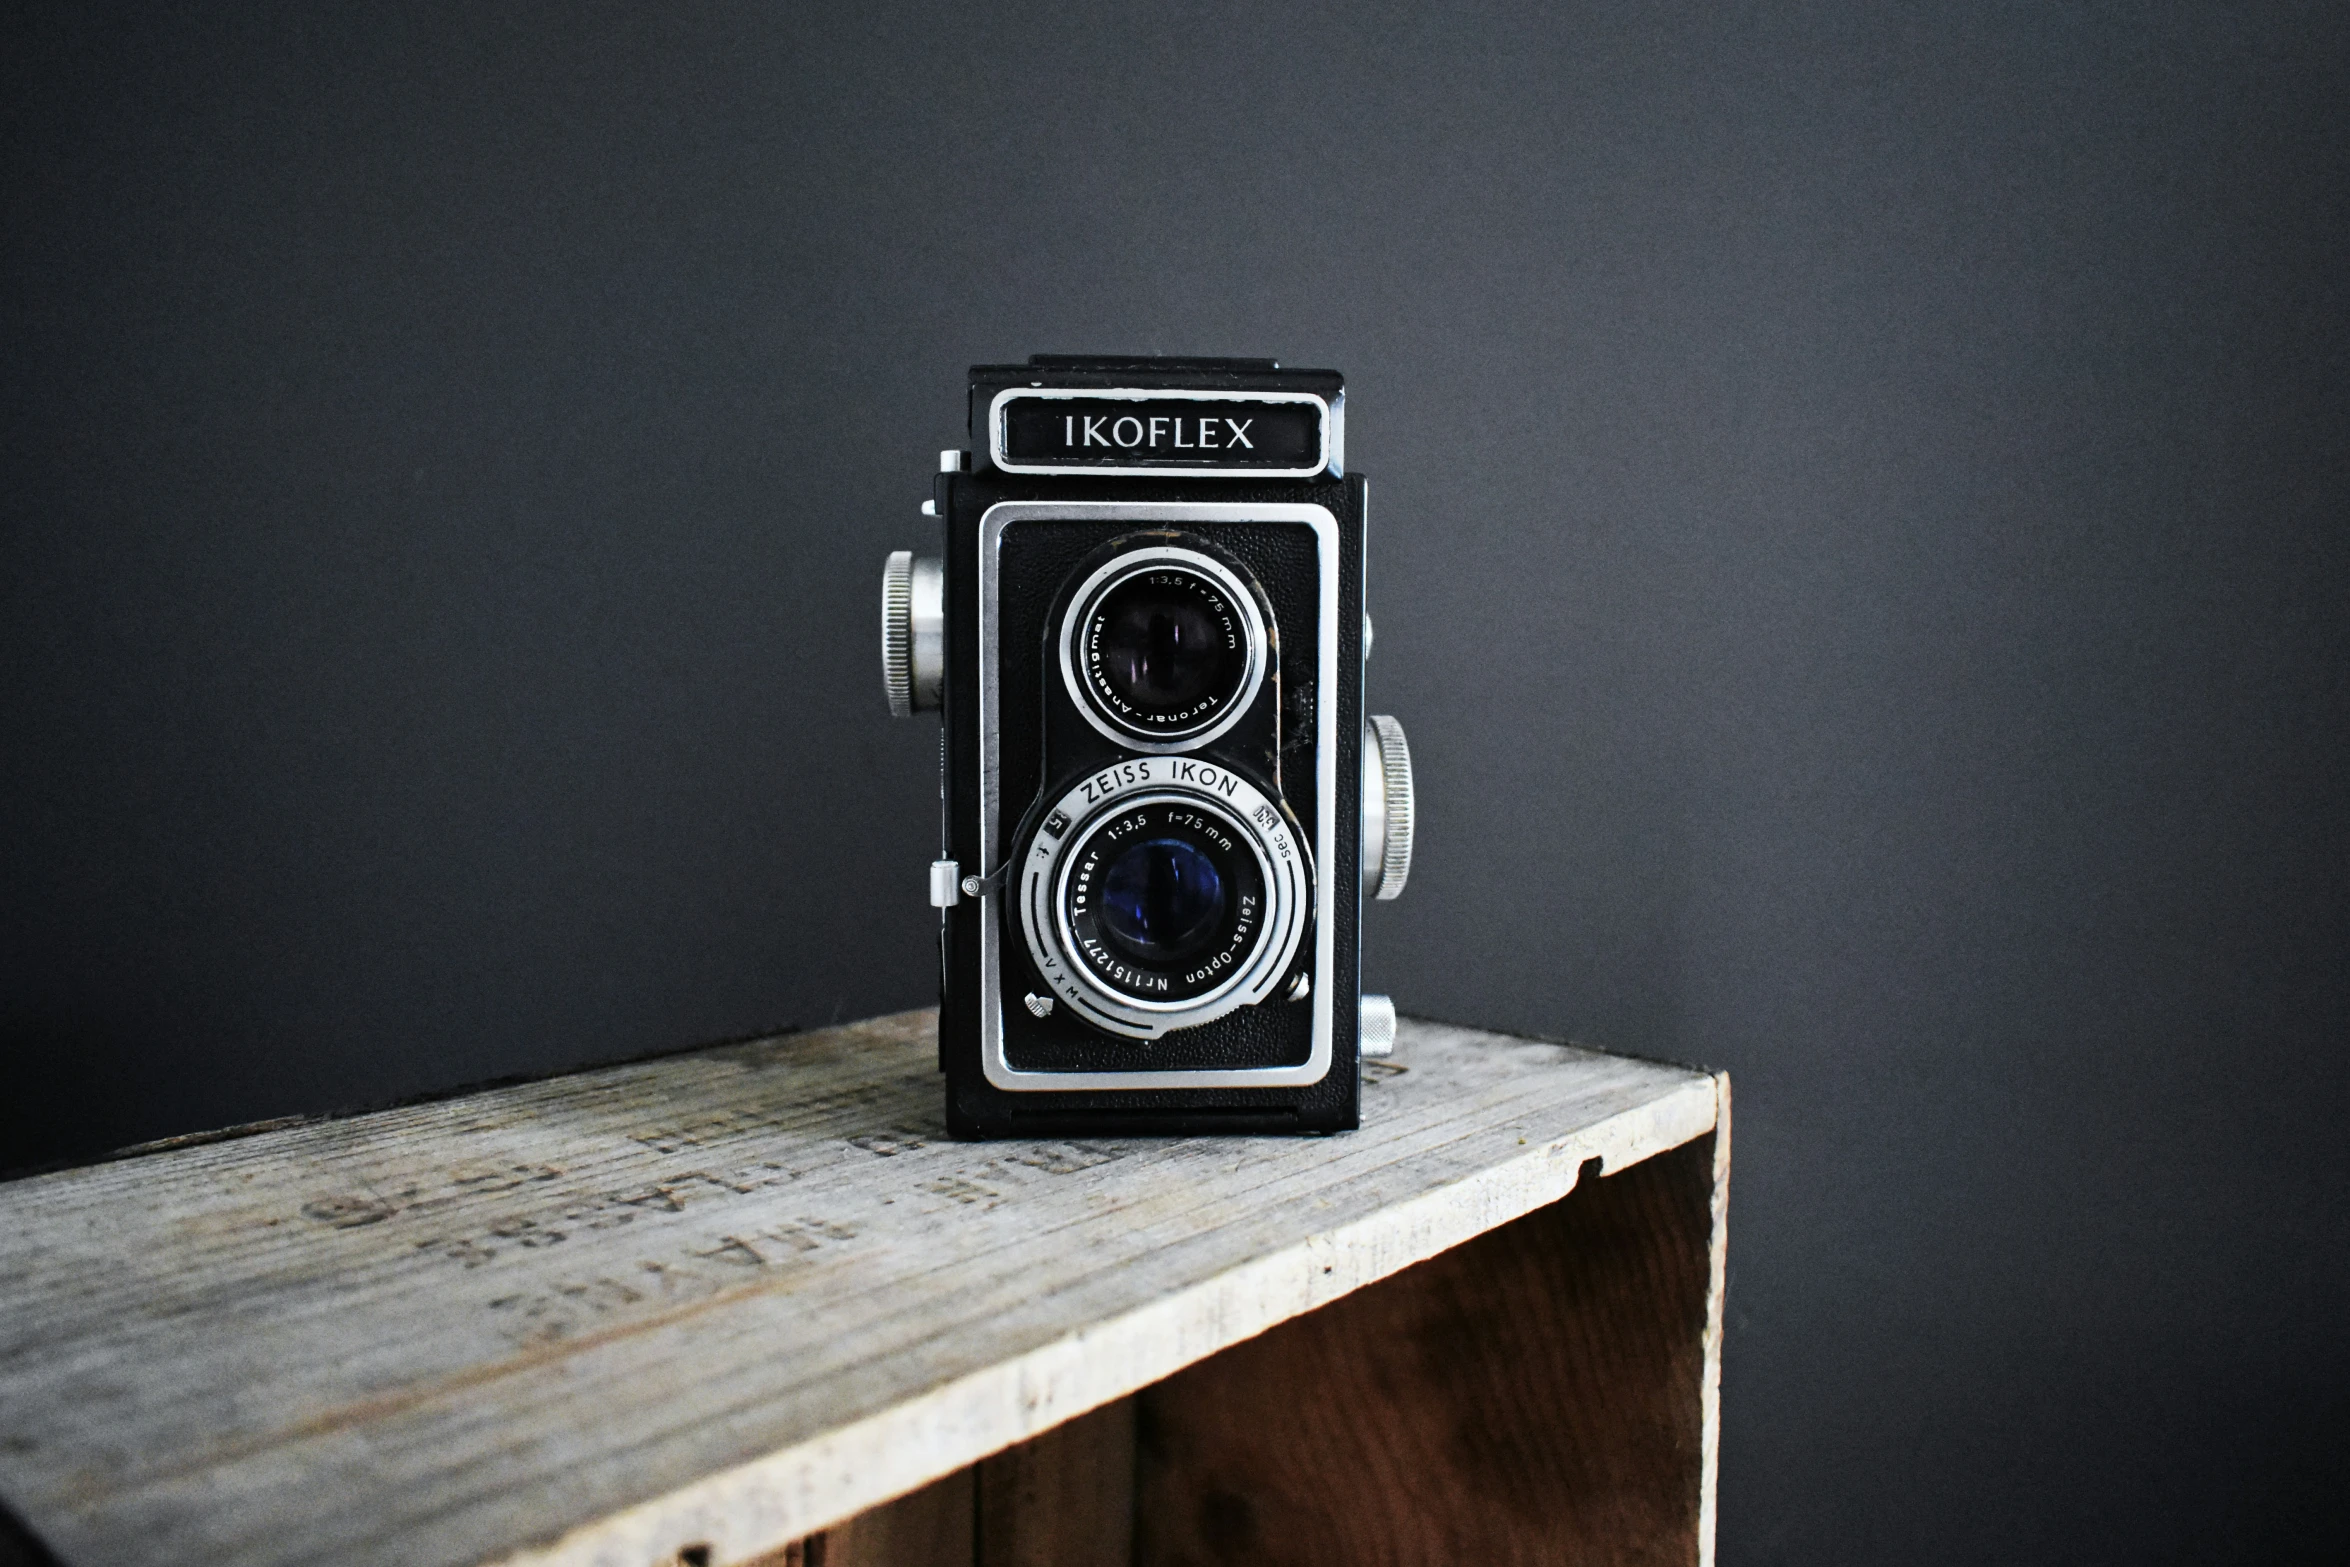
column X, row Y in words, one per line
column 1376, row 1035
column 913, row 633
column 1387, row 808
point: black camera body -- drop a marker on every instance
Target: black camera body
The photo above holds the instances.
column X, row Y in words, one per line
column 1163, row 806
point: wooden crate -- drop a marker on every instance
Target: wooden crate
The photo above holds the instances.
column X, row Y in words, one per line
column 748, row 1304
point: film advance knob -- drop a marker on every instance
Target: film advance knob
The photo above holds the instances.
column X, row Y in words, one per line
column 1387, row 808
column 913, row 633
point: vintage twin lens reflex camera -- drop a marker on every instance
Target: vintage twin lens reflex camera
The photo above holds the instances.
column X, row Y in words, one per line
column 1163, row 805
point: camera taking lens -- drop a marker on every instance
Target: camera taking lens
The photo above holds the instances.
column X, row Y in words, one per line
column 1160, row 899
column 1163, row 902
column 1167, row 907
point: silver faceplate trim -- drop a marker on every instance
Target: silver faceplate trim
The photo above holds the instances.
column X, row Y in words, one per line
column 992, row 524
column 1330, row 461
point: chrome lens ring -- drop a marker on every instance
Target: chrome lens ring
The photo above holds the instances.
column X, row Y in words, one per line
column 1163, row 799
column 1212, row 598
column 1176, row 830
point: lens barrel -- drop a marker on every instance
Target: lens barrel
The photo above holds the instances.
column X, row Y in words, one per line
column 1162, row 902
column 1163, row 648
column 1165, row 904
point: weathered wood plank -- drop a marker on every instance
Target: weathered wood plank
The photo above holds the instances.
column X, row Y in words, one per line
column 1063, row 1499
column 710, row 1304
column 933, row 1527
column 1533, row 1396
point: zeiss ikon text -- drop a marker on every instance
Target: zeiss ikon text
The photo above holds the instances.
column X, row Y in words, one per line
column 1163, row 806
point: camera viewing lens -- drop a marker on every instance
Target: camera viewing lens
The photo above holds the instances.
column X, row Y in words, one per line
column 1164, row 646
column 1165, row 642
column 1161, row 899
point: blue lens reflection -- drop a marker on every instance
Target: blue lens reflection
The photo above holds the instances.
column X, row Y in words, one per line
column 1162, row 899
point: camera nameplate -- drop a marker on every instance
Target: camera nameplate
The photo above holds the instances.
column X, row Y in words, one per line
column 1326, row 439
column 1203, row 517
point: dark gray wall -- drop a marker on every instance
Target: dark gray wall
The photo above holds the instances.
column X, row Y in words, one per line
column 1859, row 544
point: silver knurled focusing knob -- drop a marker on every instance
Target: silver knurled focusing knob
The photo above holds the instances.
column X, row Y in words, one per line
column 1387, row 808
column 1376, row 1035
column 913, row 633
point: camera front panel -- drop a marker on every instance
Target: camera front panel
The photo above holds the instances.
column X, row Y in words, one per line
column 1214, row 837
column 1025, row 739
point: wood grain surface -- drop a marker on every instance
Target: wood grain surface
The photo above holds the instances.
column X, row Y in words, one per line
column 1533, row 1396
column 1064, row 1499
column 697, row 1308
column 936, row 1526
